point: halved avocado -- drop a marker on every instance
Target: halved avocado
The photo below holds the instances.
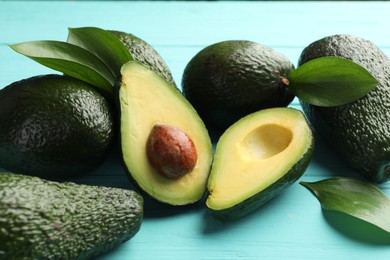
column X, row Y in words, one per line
column 156, row 123
column 256, row 159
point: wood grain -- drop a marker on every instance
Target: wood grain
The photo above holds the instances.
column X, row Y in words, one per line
column 291, row 226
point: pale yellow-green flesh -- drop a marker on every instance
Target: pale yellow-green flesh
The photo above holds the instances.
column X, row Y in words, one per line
column 254, row 153
column 146, row 100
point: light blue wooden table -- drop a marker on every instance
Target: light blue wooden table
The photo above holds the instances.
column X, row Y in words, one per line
column 292, row 226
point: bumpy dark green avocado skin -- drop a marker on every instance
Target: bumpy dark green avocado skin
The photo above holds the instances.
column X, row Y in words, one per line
column 359, row 131
column 228, row 80
column 144, row 53
column 40, row 219
column 54, row 126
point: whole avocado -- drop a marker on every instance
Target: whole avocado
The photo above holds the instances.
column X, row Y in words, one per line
column 145, row 54
column 54, row 126
column 42, row 219
column 359, row 131
column 231, row 79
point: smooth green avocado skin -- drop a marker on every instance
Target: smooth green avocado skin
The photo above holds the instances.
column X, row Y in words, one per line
column 231, row 79
column 40, row 219
column 251, row 204
column 359, row 131
column 54, row 126
column 145, row 54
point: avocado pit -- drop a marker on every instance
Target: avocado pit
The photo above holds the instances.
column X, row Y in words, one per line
column 170, row 151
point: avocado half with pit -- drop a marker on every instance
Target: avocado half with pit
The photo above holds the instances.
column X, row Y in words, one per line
column 256, row 159
column 165, row 145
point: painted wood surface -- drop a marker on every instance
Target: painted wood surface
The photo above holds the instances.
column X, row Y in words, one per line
column 291, row 226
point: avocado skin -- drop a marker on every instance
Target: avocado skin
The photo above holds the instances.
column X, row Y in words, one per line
column 231, row 79
column 251, row 204
column 41, row 219
column 145, row 54
column 54, row 126
column 359, row 131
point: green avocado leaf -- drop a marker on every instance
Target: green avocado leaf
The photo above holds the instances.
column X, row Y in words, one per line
column 71, row 60
column 330, row 81
column 103, row 44
column 354, row 197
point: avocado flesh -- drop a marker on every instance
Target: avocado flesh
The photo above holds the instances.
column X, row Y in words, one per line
column 48, row 220
column 145, row 54
column 145, row 100
column 359, row 131
column 54, row 126
column 228, row 80
column 256, row 159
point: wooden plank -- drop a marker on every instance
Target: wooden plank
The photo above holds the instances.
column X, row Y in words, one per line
column 292, row 226
column 199, row 23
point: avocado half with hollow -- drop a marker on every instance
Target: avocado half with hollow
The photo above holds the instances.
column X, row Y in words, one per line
column 256, row 159
column 165, row 145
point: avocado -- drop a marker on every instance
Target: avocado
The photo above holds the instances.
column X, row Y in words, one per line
column 256, row 159
column 144, row 53
column 165, row 145
column 228, row 80
column 54, row 126
column 358, row 131
column 41, row 219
